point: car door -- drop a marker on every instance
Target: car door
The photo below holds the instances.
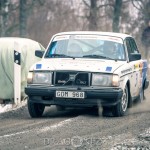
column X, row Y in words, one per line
column 135, row 78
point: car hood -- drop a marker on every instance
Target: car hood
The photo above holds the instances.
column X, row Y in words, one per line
column 78, row 64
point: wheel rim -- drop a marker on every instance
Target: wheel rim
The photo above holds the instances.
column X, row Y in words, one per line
column 124, row 101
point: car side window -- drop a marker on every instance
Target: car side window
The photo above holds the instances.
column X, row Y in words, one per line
column 133, row 46
column 129, row 49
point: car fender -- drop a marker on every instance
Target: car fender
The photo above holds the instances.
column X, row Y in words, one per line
column 125, row 81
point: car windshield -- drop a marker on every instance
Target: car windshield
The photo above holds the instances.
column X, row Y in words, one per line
column 86, row 46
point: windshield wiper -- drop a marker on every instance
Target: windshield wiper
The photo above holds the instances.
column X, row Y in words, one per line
column 96, row 56
column 60, row 55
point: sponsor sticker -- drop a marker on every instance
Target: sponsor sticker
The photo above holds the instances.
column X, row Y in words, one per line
column 94, row 37
column 108, row 68
column 136, row 66
column 38, row 66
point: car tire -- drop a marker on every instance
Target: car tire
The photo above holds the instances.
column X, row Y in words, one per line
column 35, row 110
column 121, row 108
column 107, row 111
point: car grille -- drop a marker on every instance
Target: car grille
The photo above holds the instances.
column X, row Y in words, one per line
column 72, row 78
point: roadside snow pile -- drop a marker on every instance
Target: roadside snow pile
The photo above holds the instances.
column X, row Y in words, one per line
column 5, row 107
column 10, row 107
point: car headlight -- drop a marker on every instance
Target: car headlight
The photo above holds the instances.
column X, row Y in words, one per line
column 105, row 80
column 39, row 78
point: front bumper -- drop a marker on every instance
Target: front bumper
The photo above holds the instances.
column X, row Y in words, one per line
column 94, row 96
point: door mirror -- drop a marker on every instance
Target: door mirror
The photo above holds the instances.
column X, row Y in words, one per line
column 134, row 56
column 39, row 53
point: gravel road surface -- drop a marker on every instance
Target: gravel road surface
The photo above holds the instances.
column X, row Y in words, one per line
column 79, row 129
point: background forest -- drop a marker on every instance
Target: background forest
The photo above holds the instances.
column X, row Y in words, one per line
column 40, row 19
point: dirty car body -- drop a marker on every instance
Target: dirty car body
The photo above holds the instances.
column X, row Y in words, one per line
column 88, row 69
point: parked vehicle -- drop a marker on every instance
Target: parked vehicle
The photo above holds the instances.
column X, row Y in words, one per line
column 27, row 49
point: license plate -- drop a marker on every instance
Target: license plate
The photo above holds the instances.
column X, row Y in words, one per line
column 70, row 94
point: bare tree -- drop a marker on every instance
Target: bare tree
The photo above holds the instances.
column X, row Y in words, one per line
column 93, row 15
column 116, row 15
column 143, row 6
column 22, row 18
column 4, row 12
column 8, row 19
column 52, row 17
column 25, row 8
column 96, row 12
column 39, row 19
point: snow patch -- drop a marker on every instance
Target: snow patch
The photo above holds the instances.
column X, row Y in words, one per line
column 10, row 107
column 5, row 108
column 13, row 134
column 55, row 126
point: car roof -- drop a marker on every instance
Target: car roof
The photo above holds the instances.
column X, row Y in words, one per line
column 120, row 35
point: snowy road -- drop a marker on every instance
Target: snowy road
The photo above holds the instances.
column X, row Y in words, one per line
column 76, row 129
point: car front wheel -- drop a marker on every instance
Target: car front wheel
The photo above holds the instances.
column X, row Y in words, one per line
column 121, row 108
column 35, row 110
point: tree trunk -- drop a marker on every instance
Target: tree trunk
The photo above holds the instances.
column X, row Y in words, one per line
column 4, row 10
column 147, row 12
column 116, row 16
column 23, row 19
column 93, row 15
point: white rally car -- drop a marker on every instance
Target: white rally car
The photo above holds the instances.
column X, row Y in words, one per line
column 87, row 69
